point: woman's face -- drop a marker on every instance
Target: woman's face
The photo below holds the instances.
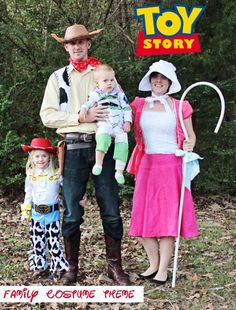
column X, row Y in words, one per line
column 159, row 84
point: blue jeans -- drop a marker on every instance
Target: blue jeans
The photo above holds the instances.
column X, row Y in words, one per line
column 77, row 168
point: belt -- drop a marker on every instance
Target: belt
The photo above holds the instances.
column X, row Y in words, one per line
column 83, row 145
column 75, row 137
column 77, row 140
column 45, row 209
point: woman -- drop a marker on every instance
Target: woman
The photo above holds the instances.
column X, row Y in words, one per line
column 158, row 171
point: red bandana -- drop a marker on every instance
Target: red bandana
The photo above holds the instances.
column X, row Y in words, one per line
column 83, row 64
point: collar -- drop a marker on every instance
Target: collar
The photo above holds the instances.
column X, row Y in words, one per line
column 71, row 68
column 162, row 99
column 38, row 171
column 113, row 91
column 82, row 65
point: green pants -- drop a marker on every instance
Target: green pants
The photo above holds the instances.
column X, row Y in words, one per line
column 120, row 150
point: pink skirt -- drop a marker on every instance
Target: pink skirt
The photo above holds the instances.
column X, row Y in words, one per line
column 156, row 199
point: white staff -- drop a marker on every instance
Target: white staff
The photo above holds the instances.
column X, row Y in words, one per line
column 184, row 164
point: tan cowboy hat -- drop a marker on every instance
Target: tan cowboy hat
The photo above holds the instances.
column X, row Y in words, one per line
column 74, row 32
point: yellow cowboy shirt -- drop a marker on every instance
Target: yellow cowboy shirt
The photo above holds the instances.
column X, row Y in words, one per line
column 81, row 85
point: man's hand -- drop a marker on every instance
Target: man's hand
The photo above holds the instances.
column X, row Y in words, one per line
column 97, row 113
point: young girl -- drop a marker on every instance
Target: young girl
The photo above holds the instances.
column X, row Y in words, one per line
column 41, row 207
column 116, row 125
column 158, row 171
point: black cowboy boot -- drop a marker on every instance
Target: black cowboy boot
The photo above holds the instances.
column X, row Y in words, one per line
column 113, row 256
column 72, row 245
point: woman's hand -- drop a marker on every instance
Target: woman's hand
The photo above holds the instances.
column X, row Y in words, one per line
column 96, row 113
column 188, row 146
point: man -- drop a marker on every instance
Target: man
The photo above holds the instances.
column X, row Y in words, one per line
column 66, row 91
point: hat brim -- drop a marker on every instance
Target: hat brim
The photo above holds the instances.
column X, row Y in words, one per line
column 27, row 148
column 81, row 37
column 145, row 84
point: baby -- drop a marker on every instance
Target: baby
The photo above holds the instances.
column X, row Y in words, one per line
column 116, row 125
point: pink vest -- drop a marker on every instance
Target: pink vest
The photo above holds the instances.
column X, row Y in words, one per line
column 138, row 152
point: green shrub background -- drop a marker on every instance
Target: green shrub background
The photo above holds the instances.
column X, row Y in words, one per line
column 29, row 55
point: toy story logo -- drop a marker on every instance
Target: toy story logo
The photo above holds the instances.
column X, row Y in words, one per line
column 168, row 31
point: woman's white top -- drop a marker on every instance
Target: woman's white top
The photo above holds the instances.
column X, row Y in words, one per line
column 159, row 131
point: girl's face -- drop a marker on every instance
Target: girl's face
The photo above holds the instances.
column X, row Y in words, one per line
column 40, row 159
column 159, row 84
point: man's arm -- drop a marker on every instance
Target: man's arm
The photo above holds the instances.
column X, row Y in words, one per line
column 50, row 113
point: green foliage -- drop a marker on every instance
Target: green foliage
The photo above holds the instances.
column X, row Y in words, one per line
column 25, row 29
column 218, row 168
column 9, row 144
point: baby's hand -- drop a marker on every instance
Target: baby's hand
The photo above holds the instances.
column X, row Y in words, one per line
column 188, row 146
column 126, row 127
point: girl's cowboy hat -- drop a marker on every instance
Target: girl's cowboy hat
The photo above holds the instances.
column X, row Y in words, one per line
column 168, row 70
column 76, row 32
column 39, row 144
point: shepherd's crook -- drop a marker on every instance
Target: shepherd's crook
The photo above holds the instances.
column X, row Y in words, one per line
column 184, row 164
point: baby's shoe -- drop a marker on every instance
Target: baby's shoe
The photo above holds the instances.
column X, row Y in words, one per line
column 97, row 170
column 119, row 178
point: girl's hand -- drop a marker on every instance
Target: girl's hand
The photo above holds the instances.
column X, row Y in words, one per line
column 188, row 146
column 26, row 212
column 83, row 202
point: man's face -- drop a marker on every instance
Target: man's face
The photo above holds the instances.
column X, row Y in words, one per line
column 78, row 49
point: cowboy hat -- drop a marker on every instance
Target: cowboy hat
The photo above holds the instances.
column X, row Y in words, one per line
column 39, row 144
column 76, row 32
column 168, row 70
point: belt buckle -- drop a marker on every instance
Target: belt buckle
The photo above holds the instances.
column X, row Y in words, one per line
column 43, row 209
column 72, row 136
column 84, row 137
column 72, row 141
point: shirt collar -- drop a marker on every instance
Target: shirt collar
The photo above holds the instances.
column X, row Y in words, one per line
column 113, row 91
column 71, row 68
column 38, row 171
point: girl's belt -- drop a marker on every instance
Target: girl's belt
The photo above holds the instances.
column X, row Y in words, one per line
column 45, row 209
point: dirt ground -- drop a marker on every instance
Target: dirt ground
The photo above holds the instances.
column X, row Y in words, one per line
column 206, row 277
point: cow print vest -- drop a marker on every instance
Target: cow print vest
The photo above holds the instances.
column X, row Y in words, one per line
column 64, row 82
